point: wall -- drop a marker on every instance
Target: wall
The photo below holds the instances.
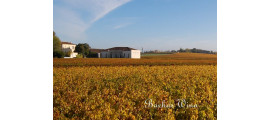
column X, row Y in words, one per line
column 73, row 55
column 68, row 47
column 104, row 54
column 126, row 54
column 116, row 53
column 121, row 54
column 136, row 54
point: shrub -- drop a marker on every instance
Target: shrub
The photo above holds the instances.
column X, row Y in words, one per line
column 79, row 56
column 58, row 54
column 67, row 54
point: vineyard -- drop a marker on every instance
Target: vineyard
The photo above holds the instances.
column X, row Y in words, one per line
column 172, row 59
column 119, row 90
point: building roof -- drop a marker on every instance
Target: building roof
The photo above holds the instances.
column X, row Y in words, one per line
column 96, row 50
column 67, row 43
column 121, row 48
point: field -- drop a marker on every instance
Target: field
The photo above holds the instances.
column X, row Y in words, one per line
column 170, row 59
column 122, row 88
column 154, row 54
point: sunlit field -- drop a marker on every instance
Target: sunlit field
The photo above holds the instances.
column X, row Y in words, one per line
column 92, row 88
column 153, row 54
column 171, row 59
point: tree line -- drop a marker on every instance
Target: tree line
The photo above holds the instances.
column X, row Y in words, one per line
column 181, row 50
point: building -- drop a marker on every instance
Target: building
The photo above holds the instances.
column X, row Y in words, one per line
column 96, row 52
column 68, row 47
column 120, row 52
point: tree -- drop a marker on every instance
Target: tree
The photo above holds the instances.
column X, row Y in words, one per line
column 187, row 50
column 194, row 50
column 181, row 50
column 67, row 54
column 58, row 54
column 82, row 48
column 173, row 51
column 57, row 50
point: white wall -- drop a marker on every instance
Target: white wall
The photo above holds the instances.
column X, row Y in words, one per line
column 68, row 47
column 136, row 54
column 73, row 55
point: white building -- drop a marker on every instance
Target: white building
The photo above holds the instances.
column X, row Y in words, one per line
column 121, row 52
column 69, row 47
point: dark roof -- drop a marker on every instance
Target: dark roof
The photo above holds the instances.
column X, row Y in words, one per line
column 67, row 43
column 96, row 50
column 121, row 48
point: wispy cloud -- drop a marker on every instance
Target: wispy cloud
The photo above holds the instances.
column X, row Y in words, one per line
column 73, row 17
column 122, row 25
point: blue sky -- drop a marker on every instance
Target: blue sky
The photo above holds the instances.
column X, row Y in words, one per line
column 151, row 24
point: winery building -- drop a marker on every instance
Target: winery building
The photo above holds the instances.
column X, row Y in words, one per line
column 120, row 52
column 68, row 47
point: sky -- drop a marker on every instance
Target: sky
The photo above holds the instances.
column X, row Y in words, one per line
column 147, row 24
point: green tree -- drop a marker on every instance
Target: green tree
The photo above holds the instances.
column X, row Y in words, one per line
column 57, row 51
column 194, row 50
column 79, row 56
column 58, row 54
column 56, row 43
column 82, row 48
column 181, row 50
column 67, row 54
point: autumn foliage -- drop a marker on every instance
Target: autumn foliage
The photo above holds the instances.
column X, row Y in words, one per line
column 172, row 59
column 118, row 90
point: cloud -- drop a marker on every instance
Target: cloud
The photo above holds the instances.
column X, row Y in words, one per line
column 122, row 25
column 73, row 17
